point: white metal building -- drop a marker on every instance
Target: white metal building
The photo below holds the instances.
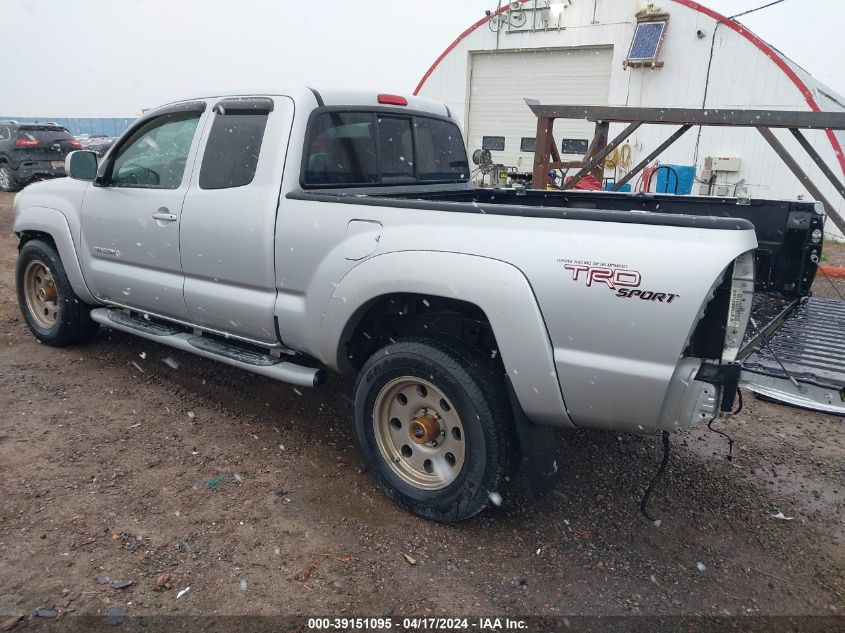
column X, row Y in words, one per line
column 578, row 52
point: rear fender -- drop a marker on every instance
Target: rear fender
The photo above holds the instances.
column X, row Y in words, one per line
column 499, row 289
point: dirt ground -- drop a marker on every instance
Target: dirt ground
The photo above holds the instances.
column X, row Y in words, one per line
column 129, row 461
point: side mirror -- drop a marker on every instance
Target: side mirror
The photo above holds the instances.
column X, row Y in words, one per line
column 81, row 165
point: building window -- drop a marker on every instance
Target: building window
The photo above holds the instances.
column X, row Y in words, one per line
column 493, row 143
column 528, row 144
column 577, row 146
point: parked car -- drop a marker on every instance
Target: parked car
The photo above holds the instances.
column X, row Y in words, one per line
column 97, row 144
column 291, row 233
column 32, row 152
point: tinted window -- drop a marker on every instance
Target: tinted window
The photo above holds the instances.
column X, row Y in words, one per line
column 156, row 155
column 231, row 155
column 45, row 134
column 493, row 143
column 575, row 146
column 342, row 150
column 528, row 144
column 396, row 143
column 441, row 155
column 362, row 148
column 4, row 134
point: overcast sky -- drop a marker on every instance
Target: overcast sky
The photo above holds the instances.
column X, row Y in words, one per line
column 111, row 58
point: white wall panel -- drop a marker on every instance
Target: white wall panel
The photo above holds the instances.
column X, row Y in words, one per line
column 741, row 76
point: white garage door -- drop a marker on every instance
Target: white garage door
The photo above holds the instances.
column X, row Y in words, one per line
column 502, row 80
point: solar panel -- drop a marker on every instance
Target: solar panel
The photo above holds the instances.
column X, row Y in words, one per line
column 646, row 42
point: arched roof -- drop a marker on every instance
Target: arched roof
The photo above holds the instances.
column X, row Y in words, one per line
column 758, row 42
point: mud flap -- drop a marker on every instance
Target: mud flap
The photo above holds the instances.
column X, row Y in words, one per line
column 538, row 445
column 803, row 362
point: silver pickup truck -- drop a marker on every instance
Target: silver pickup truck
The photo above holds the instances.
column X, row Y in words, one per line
column 292, row 232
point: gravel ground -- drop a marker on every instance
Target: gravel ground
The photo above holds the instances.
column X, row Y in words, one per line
column 831, row 287
column 127, row 461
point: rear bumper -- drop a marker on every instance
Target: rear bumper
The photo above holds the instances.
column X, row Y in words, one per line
column 28, row 171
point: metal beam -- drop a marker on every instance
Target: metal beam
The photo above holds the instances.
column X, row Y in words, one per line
column 793, row 165
column 599, row 141
column 818, row 160
column 688, row 116
column 544, row 147
column 642, row 165
column 598, row 159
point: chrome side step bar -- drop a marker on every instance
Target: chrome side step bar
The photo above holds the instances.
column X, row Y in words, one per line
column 234, row 354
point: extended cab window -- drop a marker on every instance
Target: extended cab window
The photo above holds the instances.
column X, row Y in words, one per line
column 366, row 148
column 231, row 155
column 156, row 155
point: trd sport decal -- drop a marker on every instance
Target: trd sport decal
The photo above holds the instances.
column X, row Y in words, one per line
column 617, row 277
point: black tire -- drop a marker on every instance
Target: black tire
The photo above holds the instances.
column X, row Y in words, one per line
column 476, row 388
column 7, row 179
column 73, row 323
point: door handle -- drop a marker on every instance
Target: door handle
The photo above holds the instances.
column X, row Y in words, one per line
column 164, row 215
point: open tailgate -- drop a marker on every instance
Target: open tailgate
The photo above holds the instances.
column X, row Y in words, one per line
column 799, row 358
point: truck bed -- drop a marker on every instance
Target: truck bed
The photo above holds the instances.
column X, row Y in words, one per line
column 781, row 226
column 784, row 269
column 791, row 329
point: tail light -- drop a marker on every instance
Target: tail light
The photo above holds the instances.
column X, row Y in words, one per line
column 74, row 144
column 27, row 140
column 720, row 332
column 739, row 310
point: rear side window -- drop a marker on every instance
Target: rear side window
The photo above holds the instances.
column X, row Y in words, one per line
column 231, row 155
column 347, row 149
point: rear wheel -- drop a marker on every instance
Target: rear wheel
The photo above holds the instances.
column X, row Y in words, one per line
column 53, row 312
column 435, row 426
column 7, row 179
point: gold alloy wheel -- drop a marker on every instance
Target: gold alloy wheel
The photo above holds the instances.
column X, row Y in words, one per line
column 419, row 433
column 42, row 298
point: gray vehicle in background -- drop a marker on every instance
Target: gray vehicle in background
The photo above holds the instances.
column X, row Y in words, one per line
column 297, row 231
column 32, row 151
column 97, row 144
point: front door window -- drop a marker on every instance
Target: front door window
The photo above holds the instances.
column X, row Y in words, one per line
column 155, row 156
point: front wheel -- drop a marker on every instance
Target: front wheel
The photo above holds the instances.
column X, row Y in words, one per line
column 53, row 312
column 435, row 427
